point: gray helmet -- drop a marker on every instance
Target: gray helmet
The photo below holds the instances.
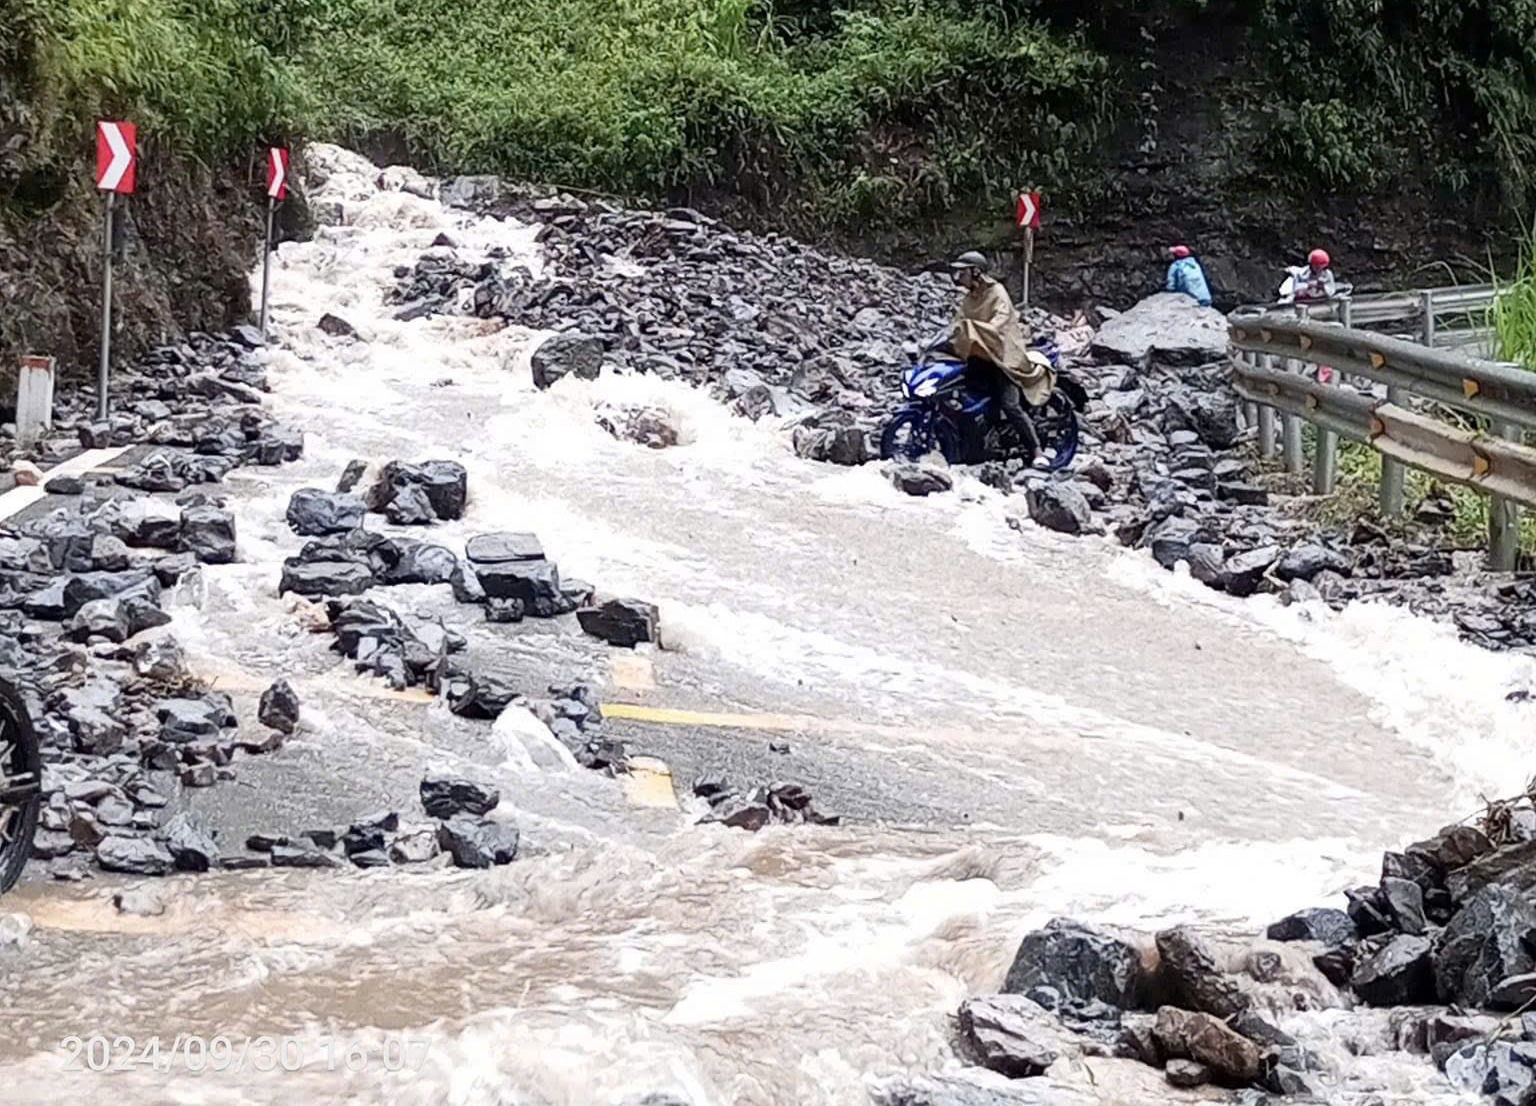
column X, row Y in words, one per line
column 971, row 259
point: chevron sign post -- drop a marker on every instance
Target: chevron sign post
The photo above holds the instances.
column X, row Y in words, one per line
column 277, row 192
column 1027, row 215
column 117, row 171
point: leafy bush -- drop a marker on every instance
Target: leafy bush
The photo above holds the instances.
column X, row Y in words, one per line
column 651, row 95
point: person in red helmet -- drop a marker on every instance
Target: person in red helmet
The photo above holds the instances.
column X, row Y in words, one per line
column 1316, row 281
column 1185, row 275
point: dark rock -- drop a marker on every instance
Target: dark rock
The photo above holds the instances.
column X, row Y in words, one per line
column 478, row 843
column 443, row 797
column 490, row 549
column 336, row 326
column 1405, row 902
column 354, row 472
column 1171, row 539
column 312, row 512
column 1080, row 962
column 1368, row 910
column 65, row 485
column 1207, row 564
column 1505, row 1071
column 199, row 775
column 919, row 480
column 103, row 618
column 566, row 354
column 371, row 858
column 622, row 622
column 137, row 856
column 1398, row 974
column 279, row 708
column 420, row 563
column 466, row 585
column 530, row 581
column 1337, row 964
column 409, row 506
column 1190, row 973
column 504, row 610
column 479, row 695
column 184, row 720
column 190, row 843
column 1306, row 561
column 1330, row 927
column 414, row 845
column 1248, row 495
column 1059, row 507
column 1452, row 848
column 1167, row 328
column 1010, row 1034
column 209, row 534
column 324, row 578
column 1486, row 942
column 1232, row 1058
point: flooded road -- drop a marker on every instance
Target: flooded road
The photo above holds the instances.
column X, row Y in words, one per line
column 1015, row 726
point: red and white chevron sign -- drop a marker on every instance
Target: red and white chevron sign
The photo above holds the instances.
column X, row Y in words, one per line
column 277, row 173
column 117, row 157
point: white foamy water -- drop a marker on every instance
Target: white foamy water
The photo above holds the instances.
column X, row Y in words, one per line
column 1018, row 725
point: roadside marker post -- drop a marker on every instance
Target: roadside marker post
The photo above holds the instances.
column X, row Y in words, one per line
column 117, row 160
column 34, row 399
column 1027, row 215
column 277, row 191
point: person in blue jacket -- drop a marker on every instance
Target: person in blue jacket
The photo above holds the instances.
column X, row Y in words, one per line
column 1185, row 275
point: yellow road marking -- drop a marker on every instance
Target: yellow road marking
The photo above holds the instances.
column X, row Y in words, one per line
column 649, row 783
column 666, row 716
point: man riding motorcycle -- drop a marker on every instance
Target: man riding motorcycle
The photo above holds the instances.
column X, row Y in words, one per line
column 989, row 335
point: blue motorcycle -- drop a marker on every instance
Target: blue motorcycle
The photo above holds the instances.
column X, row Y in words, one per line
column 957, row 412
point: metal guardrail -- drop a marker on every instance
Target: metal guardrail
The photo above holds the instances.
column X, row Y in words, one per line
column 1431, row 311
column 1495, row 462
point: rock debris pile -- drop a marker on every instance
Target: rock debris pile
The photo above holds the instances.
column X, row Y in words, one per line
column 83, row 590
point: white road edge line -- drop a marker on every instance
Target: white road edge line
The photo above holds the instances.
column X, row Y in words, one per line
column 20, row 498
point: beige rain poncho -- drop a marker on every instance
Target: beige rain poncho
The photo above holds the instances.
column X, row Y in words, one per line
column 987, row 326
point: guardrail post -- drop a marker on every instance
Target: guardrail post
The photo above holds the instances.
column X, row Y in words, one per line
column 1504, row 517
column 1290, row 430
column 1266, row 420
column 1325, row 465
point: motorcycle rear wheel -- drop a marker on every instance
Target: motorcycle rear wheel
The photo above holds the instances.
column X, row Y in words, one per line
column 21, row 791
column 1056, row 424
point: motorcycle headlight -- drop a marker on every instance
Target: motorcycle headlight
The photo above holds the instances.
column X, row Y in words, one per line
column 926, row 389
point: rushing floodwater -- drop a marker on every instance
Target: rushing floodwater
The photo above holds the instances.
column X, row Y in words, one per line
column 1141, row 750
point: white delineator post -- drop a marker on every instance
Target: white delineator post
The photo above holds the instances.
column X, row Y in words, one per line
column 34, row 399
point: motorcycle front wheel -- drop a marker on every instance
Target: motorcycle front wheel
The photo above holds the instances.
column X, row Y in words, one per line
column 21, row 785
column 912, row 435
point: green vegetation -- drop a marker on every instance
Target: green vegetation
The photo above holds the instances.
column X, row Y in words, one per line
column 850, row 112
column 890, row 109
column 1359, row 478
column 1513, row 315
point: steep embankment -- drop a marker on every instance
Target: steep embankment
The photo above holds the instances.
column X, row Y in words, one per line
column 1253, row 129
column 205, row 93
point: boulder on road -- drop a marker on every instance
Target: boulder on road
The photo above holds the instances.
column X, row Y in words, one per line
column 622, row 622
column 279, row 708
column 1080, row 962
column 919, row 480
column 190, row 842
column 1012, row 1035
column 1059, row 507
column 1193, row 976
column 314, row 513
column 565, row 355
column 1182, row 1035
column 491, row 549
column 138, row 856
column 1397, row 974
column 478, row 843
column 1488, row 941
column 1325, row 925
column 1168, row 328
column 444, row 797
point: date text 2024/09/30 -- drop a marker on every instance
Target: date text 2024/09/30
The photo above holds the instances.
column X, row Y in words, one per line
column 221, row 1054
